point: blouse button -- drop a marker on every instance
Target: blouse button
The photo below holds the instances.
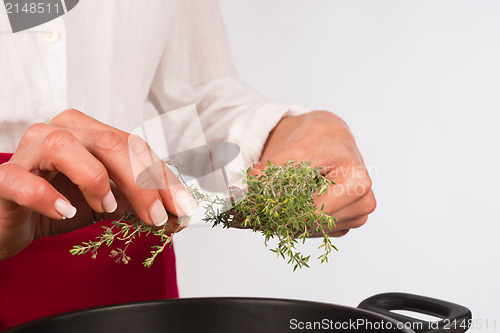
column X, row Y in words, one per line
column 50, row 36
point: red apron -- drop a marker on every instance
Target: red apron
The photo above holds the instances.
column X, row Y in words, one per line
column 45, row 279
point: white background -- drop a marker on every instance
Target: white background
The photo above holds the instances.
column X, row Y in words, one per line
column 419, row 84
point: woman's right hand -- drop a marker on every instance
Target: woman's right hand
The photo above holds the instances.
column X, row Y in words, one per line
column 58, row 180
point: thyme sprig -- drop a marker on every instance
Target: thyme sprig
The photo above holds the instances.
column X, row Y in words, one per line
column 279, row 203
column 125, row 230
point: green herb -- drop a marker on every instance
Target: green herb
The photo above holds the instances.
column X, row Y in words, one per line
column 278, row 203
column 125, row 230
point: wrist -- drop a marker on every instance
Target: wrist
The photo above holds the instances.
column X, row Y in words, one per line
column 289, row 126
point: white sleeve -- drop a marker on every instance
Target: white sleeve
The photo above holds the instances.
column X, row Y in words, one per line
column 196, row 68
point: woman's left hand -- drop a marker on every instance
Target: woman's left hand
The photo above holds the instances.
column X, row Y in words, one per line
column 325, row 140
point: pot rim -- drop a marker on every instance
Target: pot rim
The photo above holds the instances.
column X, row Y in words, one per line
column 88, row 312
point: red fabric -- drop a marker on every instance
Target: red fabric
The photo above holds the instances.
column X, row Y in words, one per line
column 45, row 279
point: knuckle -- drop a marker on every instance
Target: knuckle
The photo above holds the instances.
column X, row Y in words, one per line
column 57, row 140
column 34, row 132
column 359, row 222
column 320, row 124
column 328, row 120
column 362, row 180
column 320, row 115
column 109, row 142
column 34, row 194
column 65, row 117
column 97, row 176
column 370, row 205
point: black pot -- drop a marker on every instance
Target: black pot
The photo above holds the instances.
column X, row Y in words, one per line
column 258, row 315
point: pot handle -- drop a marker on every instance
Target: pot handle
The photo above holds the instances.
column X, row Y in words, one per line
column 455, row 318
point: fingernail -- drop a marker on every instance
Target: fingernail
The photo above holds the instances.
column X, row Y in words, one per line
column 185, row 203
column 64, row 208
column 158, row 213
column 109, row 203
column 185, row 221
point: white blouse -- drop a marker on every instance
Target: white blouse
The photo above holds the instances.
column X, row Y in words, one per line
column 125, row 62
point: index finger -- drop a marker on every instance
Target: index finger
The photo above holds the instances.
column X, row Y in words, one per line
column 143, row 161
column 76, row 119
